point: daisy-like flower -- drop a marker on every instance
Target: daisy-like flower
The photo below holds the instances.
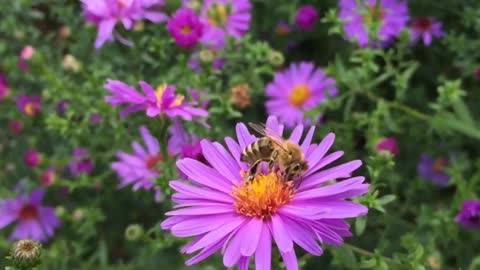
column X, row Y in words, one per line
column 433, row 170
column 81, row 162
column 155, row 102
column 29, row 105
column 4, row 90
column 469, row 215
column 105, row 14
column 299, row 88
column 183, row 144
column 243, row 219
column 390, row 16
column 426, row 29
column 306, row 17
column 230, row 16
column 388, row 144
column 185, row 28
column 140, row 167
column 34, row 221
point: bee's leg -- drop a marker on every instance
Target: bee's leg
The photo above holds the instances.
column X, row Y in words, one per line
column 271, row 162
column 252, row 171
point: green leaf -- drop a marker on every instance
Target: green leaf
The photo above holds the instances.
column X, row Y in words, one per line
column 360, row 225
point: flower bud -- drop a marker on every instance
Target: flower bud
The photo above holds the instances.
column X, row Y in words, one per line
column 276, row 58
column 194, row 4
column 60, row 211
column 64, row 32
column 139, row 26
column 434, row 262
column 206, row 56
column 71, row 63
column 78, row 214
column 133, row 232
column 25, row 254
column 241, row 96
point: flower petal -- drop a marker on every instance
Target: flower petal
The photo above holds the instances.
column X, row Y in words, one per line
column 330, row 174
column 263, row 255
column 280, row 234
column 221, row 161
column 204, row 175
column 253, row 229
column 290, row 260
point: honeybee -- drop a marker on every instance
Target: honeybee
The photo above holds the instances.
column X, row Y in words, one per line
column 273, row 149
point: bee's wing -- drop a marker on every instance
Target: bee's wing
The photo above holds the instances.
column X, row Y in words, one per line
column 263, row 130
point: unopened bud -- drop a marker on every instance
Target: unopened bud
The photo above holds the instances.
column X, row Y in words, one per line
column 25, row 254
column 276, row 58
column 60, row 211
column 241, row 96
column 434, row 262
column 133, row 232
column 78, row 214
column 71, row 63
column 206, row 56
column 194, row 4
column 139, row 26
column 64, row 32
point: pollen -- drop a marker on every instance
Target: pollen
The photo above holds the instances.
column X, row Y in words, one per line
column 30, row 108
column 300, row 94
column 186, row 30
column 217, row 15
column 263, row 196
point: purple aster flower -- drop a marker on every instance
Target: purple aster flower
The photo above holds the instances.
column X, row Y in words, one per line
column 426, row 29
column 469, row 215
column 283, row 28
column 34, row 221
column 105, row 14
column 81, row 162
column 433, row 170
column 155, row 102
column 159, row 196
column 306, row 17
column 183, row 144
column 4, row 90
column 29, row 105
column 391, row 16
column 140, row 167
column 229, row 16
column 25, row 55
column 62, row 106
column 388, row 144
column 95, row 118
column 32, row 158
column 185, row 28
column 299, row 88
column 224, row 212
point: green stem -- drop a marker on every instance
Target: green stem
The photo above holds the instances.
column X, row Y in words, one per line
column 398, row 106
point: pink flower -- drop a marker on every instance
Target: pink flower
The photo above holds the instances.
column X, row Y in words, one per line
column 25, row 55
column 426, row 29
column 388, row 144
column 155, row 102
column 47, row 178
column 306, row 17
column 185, row 28
column 29, row 105
column 4, row 90
column 32, row 158
column 107, row 13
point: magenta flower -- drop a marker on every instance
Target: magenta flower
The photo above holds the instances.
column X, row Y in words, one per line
column 32, row 158
column 183, row 144
column 243, row 219
column 388, row 144
column 140, row 167
column 426, row 29
column 81, row 163
column 47, row 178
column 25, row 55
column 433, row 170
column 306, row 17
column 185, row 28
column 34, row 221
column 29, row 105
column 15, row 126
column 391, row 15
column 229, row 16
column 469, row 215
column 62, row 106
column 95, row 118
column 4, row 90
column 155, row 102
column 105, row 14
column 299, row 88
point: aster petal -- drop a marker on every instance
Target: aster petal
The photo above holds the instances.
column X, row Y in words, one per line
column 243, row 263
column 207, row 251
column 263, row 255
column 253, row 229
column 200, row 225
column 232, row 252
column 218, row 234
column 296, row 134
column 172, row 221
column 321, row 150
column 105, row 32
column 273, row 125
column 244, row 137
column 280, row 234
column 192, row 192
column 302, row 235
column 131, row 109
column 308, row 139
column 223, row 162
column 330, row 174
column 290, row 260
column 204, row 175
column 151, row 142
column 346, row 188
column 342, row 209
column 6, row 219
column 202, row 210
column 326, row 160
column 36, row 196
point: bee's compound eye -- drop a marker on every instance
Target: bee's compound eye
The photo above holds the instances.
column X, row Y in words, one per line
column 296, row 167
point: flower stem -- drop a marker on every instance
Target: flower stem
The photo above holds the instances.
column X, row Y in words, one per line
column 398, row 106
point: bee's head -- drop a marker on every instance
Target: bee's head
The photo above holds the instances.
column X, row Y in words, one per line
column 296, row 169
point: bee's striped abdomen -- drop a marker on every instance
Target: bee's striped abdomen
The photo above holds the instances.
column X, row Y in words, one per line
column 258, row 150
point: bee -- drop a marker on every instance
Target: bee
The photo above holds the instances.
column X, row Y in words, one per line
column 273, row 149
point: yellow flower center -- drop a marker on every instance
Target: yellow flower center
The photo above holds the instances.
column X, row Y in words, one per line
column 217, row 15
column 439, row 165
column 30, row 108
column 186, row 30
column 374, row 14
column 159, row 93
column 300, row 94
column 262, row 196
